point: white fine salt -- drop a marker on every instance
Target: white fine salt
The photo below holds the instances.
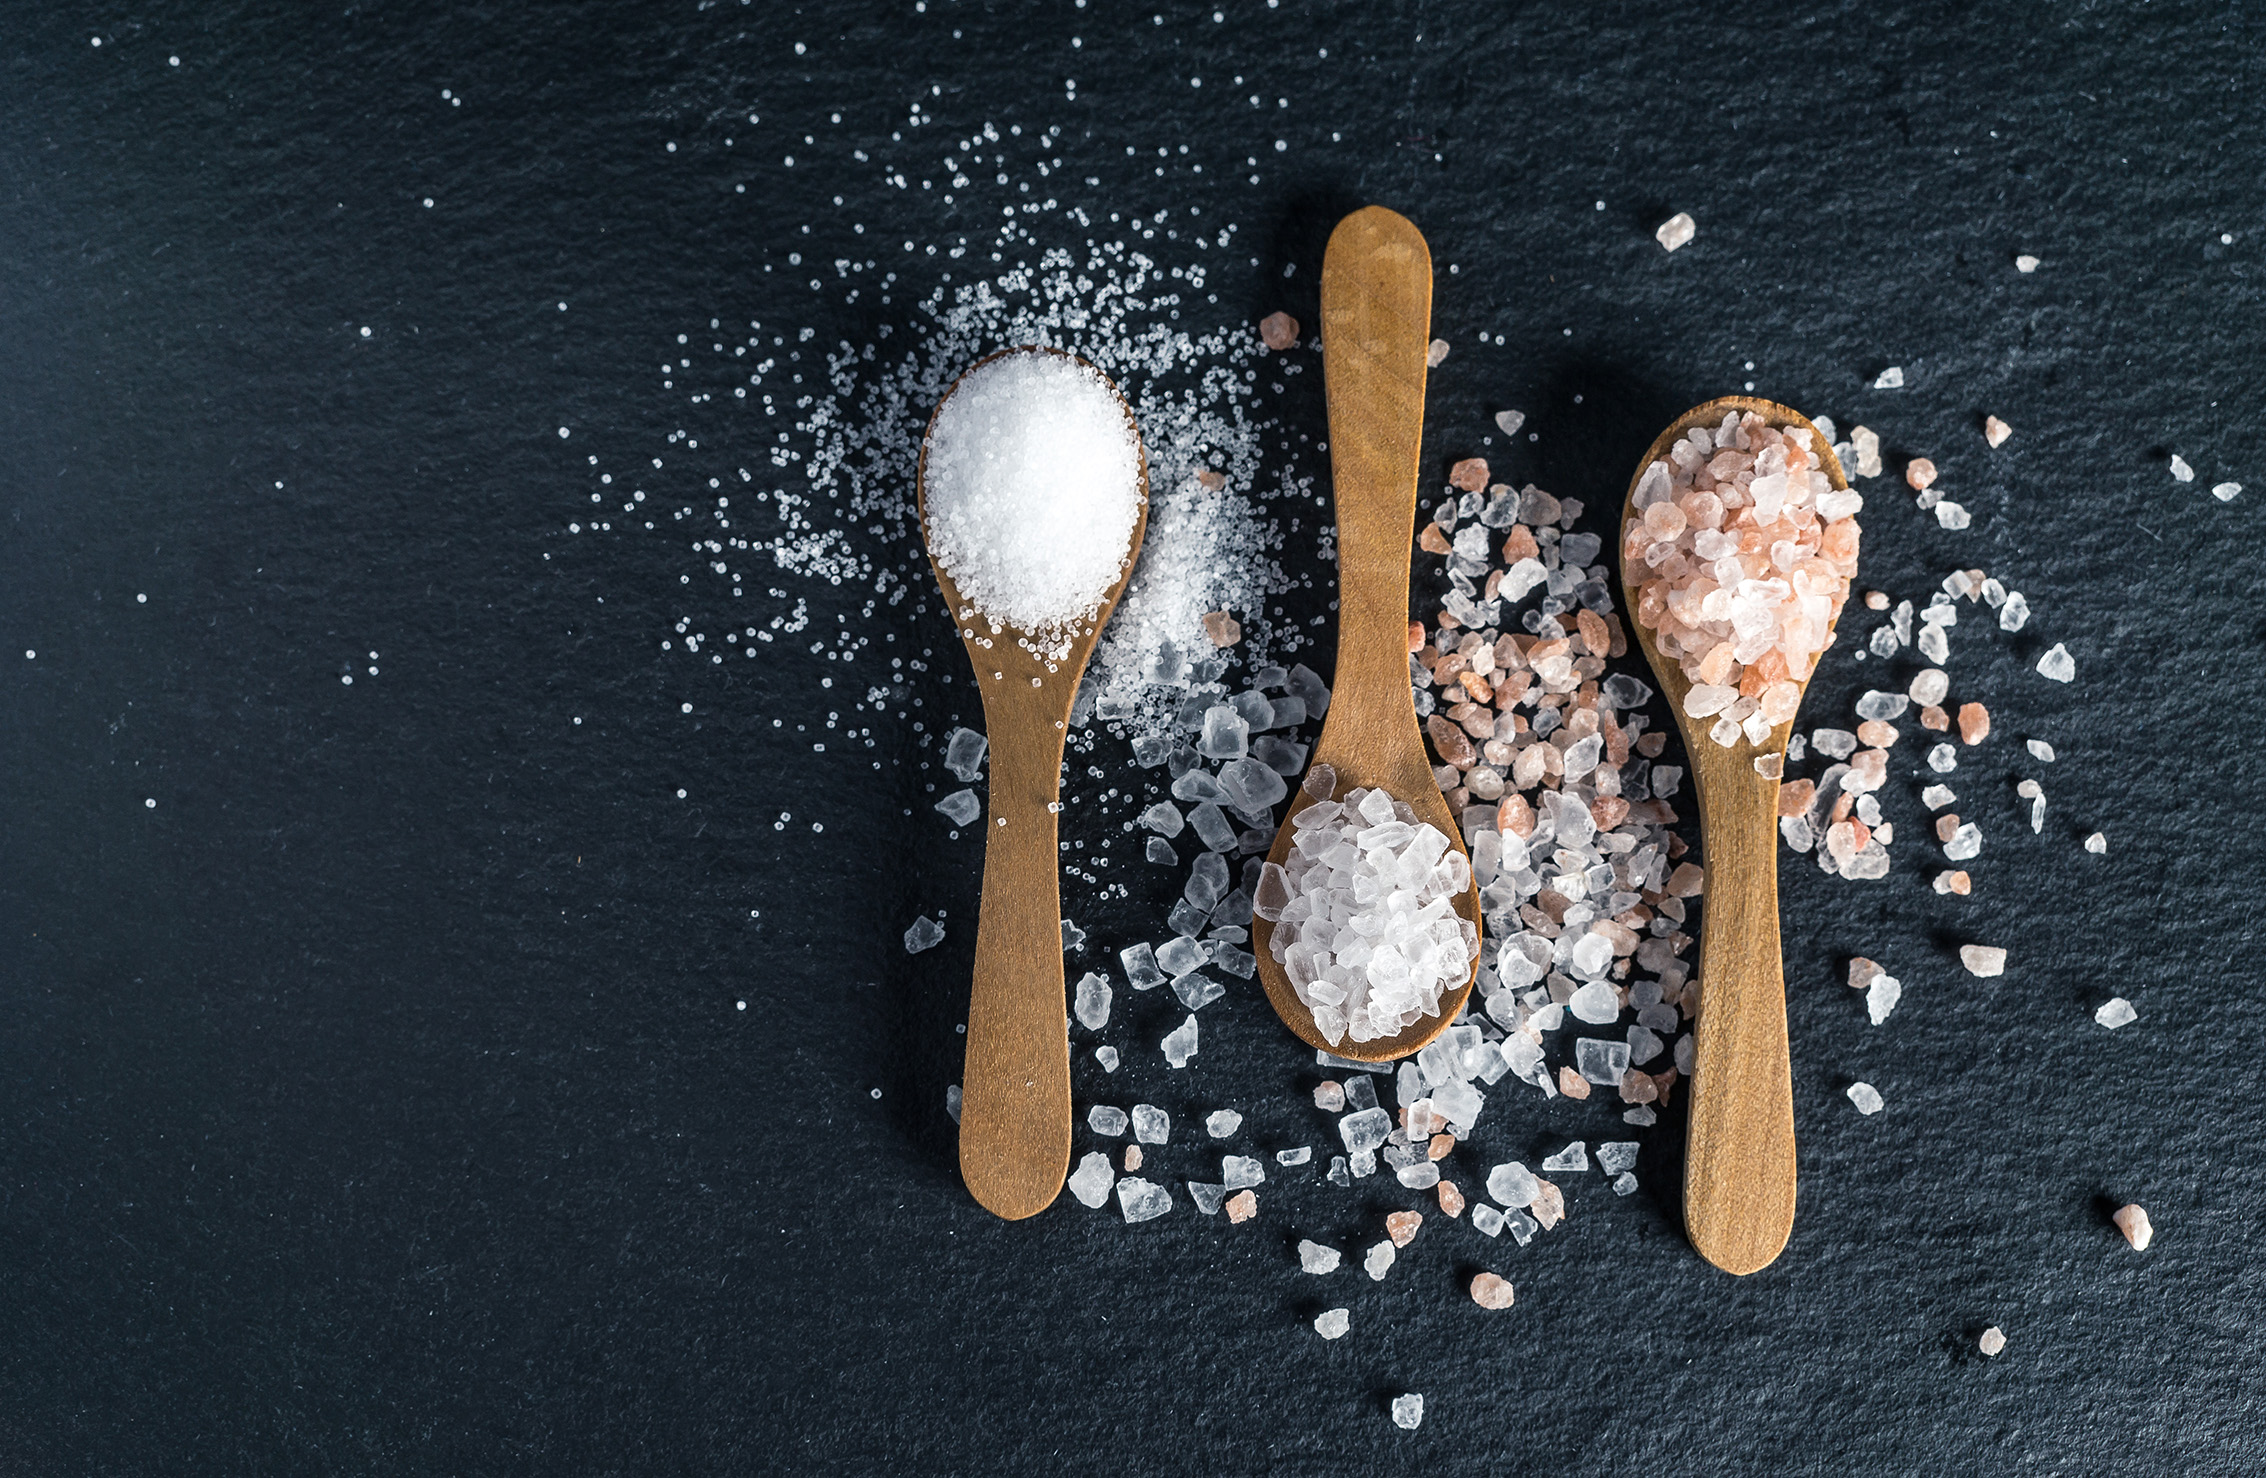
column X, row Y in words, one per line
column 1033, row 487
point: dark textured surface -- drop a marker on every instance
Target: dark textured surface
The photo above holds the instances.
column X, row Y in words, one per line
column 377, row 1101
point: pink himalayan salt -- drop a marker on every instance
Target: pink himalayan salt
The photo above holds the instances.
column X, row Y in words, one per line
column 1440, row 1146
column 1572, row 1084
column 1242, row 1206
column 1211, row 480
column 1490, row 1292
column 1974, row 723
column 1451, row 1199
column 1921, row 473
column 1401, row 1226
column 1278, row 331
column 1132, row 1157
column 1996, row 431
column 1469, row 475
column 1876, row 600
column 1751, row 551
column 1329, row 1095
column 1223, row 629
column 1549, row 1205
column 2133, row 1222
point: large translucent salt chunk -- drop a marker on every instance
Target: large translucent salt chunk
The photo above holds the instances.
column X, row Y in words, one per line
column 2057, row 664
column 964, row 753
column 925, row 933
column 2116, row 1012
column 1314, row 1258
column 1091, row 1181
column 1092, row 1001
column 1180, row 1043
column 1142, row 1200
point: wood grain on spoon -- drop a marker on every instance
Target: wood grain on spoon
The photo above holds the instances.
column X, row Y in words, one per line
column 1015, row 1086
column 1376, row 326
column 1739, row 1150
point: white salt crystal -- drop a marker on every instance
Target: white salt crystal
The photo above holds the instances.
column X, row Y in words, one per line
column 1196, row 992
column 2116, row 1012
column 1643, row 1117
column 1866, row 443
column 1486, row 1220
column 1615, row 1156
column 1624, row 1184
column 1379, row 1261
column 1866, row 1097
column 1222, row 1122
column 1983, row 960
column 1891, row 378
column 1207, row 1196
column 1142, row 1200
column 1297, row 1156
column 2040, row 749
column 1952, row 515
column 1317, row 1259
column 926, row 933
column 2181, row 472
column 2014, row 613
column 1093, row 1001
column 1104, row 1119
column 1181, row 955
column 1141, row 970
column 1601, row 1062
column 1936, row 797
column 2025, row 264
column 1509, row 422
column 1933, row 644
column 2133, row 1221
column 1163, row 818
column 1676, row 231
column 2096, row 843
column 1595, row 1002
column 964, row 753
column 1879, row 705
column 1521, row 1226
column 1993, row 1339
column 1151, row 1125
column 1332, row 1323
column 1966, row 841
column 1090, row 1182
column 1032, row 485
column 2226, row 492
column 1365, row 1131
column 961, row 807
column 1238, row 1171
column 1107, row 1057
column 1574, row 1156
column 1943, row 759
column 1180, row 1044
column 1421, row 1176
column 2057, row 664
column 952, row 1102
column 1881, row 997
column 1512, row 1184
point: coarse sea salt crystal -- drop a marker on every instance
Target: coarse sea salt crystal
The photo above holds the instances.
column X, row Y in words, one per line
column 2226, row 492
column 1103, row 1118
column 1983, row 960
column 1881, row 997
column 1180, row 1043
column 925, row 933
column 1891, row 378
column 2180, row 471
column 1298, row 1156
column 2096, row 843
column 1317, row 1259
column 2057, row 664
column 964, row 753
column 1486, row 1219
column 1151, row 1125
column 1993, row 1340
column 1490, row 1291
column 1378, row 1261
column 1574, row 1156
column 2039, row 749
column 1676, row 231
column 1091, row 1181
column 1332, row 1323
column 1107, row 1057
column 1509, row 422
column 1032, row 488
column 961, row 807
column 1615, row 1156
column 1624, row 1184
column 1866, row 1097
column 2132, row 1220
column 1208, row 1196
column 1222, row 1122
column 1142, row 1200
column 1093, row 999
column 1512, row 1184
column 1408, row 1411
column 1239, row 1171
column 2116, row 1012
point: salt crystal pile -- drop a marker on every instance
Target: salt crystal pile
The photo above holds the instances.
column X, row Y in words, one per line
column 1032, row 484
column 1364, row 915
column 2132, row 1220
column 1750, row 551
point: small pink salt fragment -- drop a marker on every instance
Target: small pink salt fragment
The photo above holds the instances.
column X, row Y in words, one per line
column 1490, row 1292
column 1689, row 880
column 1958, row 882
column 1519, row 544
column 1451, row 1199
column 1515, row 816
column 1996, row 431
column 1921, row 473
column 1439, row 1147
column 1278, row 331
column 1862, row 972
column 1242, row 1206
column 1993, row 1341
column 1947, row 826
column 1132, row 1157
column 1572, row 1084
column 1434, row 541
column 1469, row 475
column 1415, row 637
column 1983, row 960
column 1329, row 1095
column 2132, row 1220
column 1876, row 600
column 1933, row 717
column 1452, row 743
column 1401, row 1226
column 1212, row 481
column 1549, row 1204
column 1637, row 1087
column 1974, row 723
column 1223, row 629
column 1794, row 796
column 1879, row 733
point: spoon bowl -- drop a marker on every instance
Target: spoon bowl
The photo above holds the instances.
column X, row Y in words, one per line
column 1015, row 1087
column 1739, row 1153
column 1376, row 327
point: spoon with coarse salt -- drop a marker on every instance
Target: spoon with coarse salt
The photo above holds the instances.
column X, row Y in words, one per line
column 1738, row 544
column 1376, row 327
column 1034, row 495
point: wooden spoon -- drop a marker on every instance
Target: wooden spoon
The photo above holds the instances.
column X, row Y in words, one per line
column 1015, row 1087
column 1739, row 1149
column 1376, row 327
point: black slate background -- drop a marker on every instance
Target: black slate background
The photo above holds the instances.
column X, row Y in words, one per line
column 377, row 1102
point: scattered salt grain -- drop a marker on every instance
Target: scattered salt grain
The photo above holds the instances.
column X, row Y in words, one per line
column 1132, row 1157
column 2116, row 1012
column 1677, row 230
column 1486, row 1220
column 1107, row 1057
column 2132, row 1220
column 1891, row 378
column 1993, row 1340
column 2180, row 471
column 960, row 807
column 1207, row 1196
column 926, row 933
column 1402, row 1226
column 1435, row 352
column 1102, row 1118
column 1379, row 1261
column 1866, row 443
column 1278, row 331
column 964, row 753
column 1142, row 1200
column 1574, row 1156
column 2039, row 749
column 1491, row 1292
column 1222, row 1123
column 1238, row 1171
column 1093, row 1001
column 1509, row 422
column 1881, row 997
column 1332, row 1323
column 1180, row 1043
column 2096, row 843
column 2226, row 492
column 1091, row 1181
column 1616, row 1156
column 952, row 1102
column 1624, row 1184
column 1951, row 516
column 1329, row 1096
column 1317, row 1259
column 1408, row 1411
column 1242, row 1206
column 1996, row 431
column 1151, row 1125
column 1920, row 473
column 1983, row 960
column 1866, row 1097
column 2057, row 664
column 1936, row 797
column 1298, row 1156
column 1512, row 1184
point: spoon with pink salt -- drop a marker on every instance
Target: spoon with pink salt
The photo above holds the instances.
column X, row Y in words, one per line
column 1738, row 545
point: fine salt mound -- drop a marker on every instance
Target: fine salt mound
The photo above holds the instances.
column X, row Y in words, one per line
column 1364, row 915
column 1745, row 552
column 1033, row 488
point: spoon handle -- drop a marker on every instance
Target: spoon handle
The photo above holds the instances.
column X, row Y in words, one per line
column 1015, row 1086
column 1376, row 327
column 1739, row 1153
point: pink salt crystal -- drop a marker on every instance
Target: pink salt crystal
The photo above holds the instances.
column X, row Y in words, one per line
column 1212, row 481
column 1879, row 733
column 1794, row 796
column 1932, row 717
column 1638, row 1087
column 1132, row 1157
column 1519, row 544
column 1921, row 473
column 1549, row 1204
column 1947, row 826
column 1490, row 1292
column 1958, row 882
column 1593, row 633
column 1515, row 816
column 1452, row 743
column 1572, row 1084
column 1974, row 723
column 1868, row 768
column 1993, row 1341
column 1469, row 475
column 1451, row 1199
column 1689, row 880
column 1223, row 629
column 2133, row 1222
column 1983, row 960
column 1996, row 431
column 1876, row 600
column 1329, row 1095
column 1242, row 1206
column 1278, row 331
column 1415, row 637
column 1439, row 1147
column 1862, row 972
column 1677, row 230
column 1434, row 541
column 1401, row 1226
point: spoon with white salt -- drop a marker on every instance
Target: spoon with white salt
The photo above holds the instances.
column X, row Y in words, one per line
column 1376, row 327
column 1734, row 649
column 1034, row 496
